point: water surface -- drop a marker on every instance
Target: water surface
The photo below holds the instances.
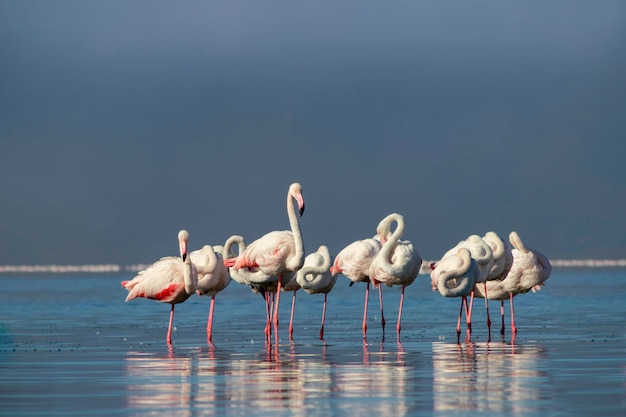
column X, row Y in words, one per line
column 69, row 345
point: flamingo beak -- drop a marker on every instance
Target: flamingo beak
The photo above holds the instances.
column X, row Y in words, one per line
column 300, row 201
column 183, row 250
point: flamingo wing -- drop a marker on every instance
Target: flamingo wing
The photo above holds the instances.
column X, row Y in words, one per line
column 162, row 281
column 268, row 253
column 355, row 259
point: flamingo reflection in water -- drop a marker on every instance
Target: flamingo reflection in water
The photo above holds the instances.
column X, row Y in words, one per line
column 383, row 375
column 502, row 378
column 172, row 383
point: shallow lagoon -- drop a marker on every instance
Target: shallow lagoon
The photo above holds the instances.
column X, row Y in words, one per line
column 69, row 345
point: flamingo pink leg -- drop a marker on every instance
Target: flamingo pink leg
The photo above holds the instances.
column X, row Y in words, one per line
column 278, row 290
column 293, row 307
column 468, row 315
column 323, row 316
column 502, row 316
column 382, row 314
column 268, row 321
column 513, row 327
column 488, row 318
column 169, row 328
column 398, row 326
column 209, row 324
column 367, row 297
column 458, row 323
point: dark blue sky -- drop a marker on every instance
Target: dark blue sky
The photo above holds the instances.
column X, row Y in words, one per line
column 123, row 121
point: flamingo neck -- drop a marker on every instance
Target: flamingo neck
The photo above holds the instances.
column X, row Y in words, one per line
column 462, row 278
column 318, row 269
column 294, row 263
column 190, row 276
column 392, row 241
column 210, row 266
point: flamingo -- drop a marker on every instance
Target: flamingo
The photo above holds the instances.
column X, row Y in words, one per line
column 169, row 280
column 213, row 277
column 397, row 262
column 354, row 263
column 455, row 276
column 279, row 252
column 481, row 252
column 529, row 270
column 258, row 281
column 315, row 278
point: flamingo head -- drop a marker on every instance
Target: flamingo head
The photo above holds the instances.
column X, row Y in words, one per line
column 183, row 238
column 295, row 191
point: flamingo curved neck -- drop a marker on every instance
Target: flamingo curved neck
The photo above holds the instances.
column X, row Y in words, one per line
column 228, row 251
column 190, row 276
column 517, row 243
column 318, row 269
column 461, row 277
column 210, row 266
column 389, row 245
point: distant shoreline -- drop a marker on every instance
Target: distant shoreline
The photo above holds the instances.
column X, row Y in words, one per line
column 113, row 268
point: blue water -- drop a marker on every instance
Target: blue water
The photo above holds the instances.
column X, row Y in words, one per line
column 71, row 346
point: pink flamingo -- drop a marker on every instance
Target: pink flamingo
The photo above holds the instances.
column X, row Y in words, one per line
column 169, row 280
column 528, row 272
column 354, row 263
column 397, row 262
column 258, row 281
column 279, row 252
column 213, row 277
column 455, row 276
column 315, row 278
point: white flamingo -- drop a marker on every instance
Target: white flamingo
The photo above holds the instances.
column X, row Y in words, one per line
column 397, row 262
column 529, row 270
column 169, row 280
column 213, row 277
column 482, row 254
column 315, row 278
column 354, row 263
column 455, row 276
column 279, row 252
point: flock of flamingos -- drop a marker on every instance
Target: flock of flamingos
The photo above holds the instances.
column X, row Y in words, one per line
column 485, row 267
